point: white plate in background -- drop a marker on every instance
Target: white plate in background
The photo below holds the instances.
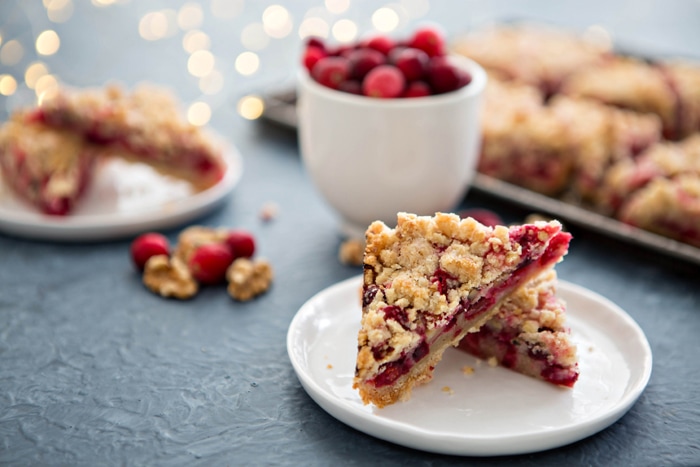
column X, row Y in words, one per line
column 124, row 199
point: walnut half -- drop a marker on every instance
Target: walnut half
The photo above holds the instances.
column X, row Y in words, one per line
column 169, row 277
column 248, row 279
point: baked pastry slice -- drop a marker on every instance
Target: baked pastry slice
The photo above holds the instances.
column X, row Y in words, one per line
column 529, row 334
column 47, row 167
column 144, row 125
column 431, row 280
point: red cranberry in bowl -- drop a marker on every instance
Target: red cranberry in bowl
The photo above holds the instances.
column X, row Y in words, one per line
column 417, row 89
column 430, row 40
column 382, row 44
column 413, row 63
column 445, row 77
column 385, row 81
column 363, row 60
column 312, row 56
column 331, row 71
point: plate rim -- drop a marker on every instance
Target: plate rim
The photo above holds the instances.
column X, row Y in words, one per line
column 481, row 446
column 36, row 226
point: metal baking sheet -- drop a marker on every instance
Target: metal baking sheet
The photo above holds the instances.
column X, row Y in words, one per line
column 280, row 108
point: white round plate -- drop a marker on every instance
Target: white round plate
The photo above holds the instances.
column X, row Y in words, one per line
column 493, row 411
column 124, row 199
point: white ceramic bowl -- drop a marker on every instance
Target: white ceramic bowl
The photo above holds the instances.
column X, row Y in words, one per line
column 372, row 158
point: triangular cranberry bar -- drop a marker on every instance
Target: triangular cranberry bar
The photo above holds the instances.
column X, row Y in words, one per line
column 47, row 167
column 145, row 125
column 529, row 334
column 428, row 282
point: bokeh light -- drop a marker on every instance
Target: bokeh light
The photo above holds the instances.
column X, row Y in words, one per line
column 46, row 87
column 190, row 16
column 314, row 26
column 48, row 43
column 598, row 35
column 385, row 19
column 157, row 25
column 337, row 6
column 247, row 63
column 277, row 21
column 199, row 113
column 416, row 8
column 196, row 40
column 59, row 11
column 8, row 85
column 344, row 30
column 250, row 107
column 33, row 72
column 11, row 53
column 201, row 63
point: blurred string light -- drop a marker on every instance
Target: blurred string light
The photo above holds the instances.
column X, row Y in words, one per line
column 385, row 19
column 33, row 72
column 199, row 113
column 277, row 22
column 337, row 6
column 8, row 85
column 415, row 8
column 196, row 40
column 344, row 30
column 598, row 35
column 59, row 11
column 190, row 16
column 250, row 107
column 247, row 63
column 11, row 53
column 314, row 26
column 201, row 63
column 45, row 87
column 157, row 25
column 47, row 43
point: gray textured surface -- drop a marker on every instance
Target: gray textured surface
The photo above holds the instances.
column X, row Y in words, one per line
column 95, row 370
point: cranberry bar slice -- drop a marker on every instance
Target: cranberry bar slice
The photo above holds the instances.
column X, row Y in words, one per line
column 144, row 125
column 428, row 282
column 524, row 143
column 535, row 55
column 46, row 167
column 528, row 334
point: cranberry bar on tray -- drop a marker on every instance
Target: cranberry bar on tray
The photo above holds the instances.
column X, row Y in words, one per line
column 431, row 280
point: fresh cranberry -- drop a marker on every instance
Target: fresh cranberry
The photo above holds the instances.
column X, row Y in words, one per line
column 209, row 263
column 331, row 71
column 362, row 61
column 241, row 242
column 443, row 76
column 147, row 245
column 412, row 62
column 429, row 40
column 351, row 86
column 384, row 81
column 483, row 216
column 312, row 55
column 316, row 42
column 417, row 89
column 382, row 44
